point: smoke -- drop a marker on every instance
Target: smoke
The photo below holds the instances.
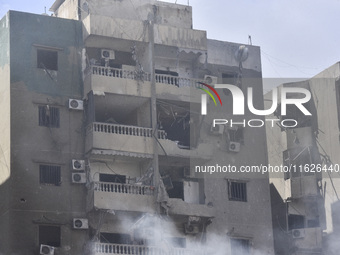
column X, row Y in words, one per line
column 160, row 234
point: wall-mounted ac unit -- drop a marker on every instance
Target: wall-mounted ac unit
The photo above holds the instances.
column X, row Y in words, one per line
column 298, row 233
column 234, row 146
column 217, row 130
column 76, row 104
column 78, row 178
column 78, row 164
column 210, row 80
column 191, row 228
column 80, row 223
column 108, row 54
column 46, row 250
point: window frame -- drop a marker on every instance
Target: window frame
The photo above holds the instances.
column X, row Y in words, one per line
column 53, row 172
column 49, row 116
column 241, row 184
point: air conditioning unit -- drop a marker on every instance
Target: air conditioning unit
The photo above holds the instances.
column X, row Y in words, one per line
column 76, row 104
column 46, row 249
column 108, row 54
column 234, row 146
column 217, row 130
column 298, row 233
column 78, row 164
column 78, row 178
column 80, row 223
column 191, row 228
column 211, row 80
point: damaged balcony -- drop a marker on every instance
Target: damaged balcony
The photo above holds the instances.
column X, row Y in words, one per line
column 123, row 140
column 108, row 248
column 95, row 26
column 128, row 81
column 123, row 197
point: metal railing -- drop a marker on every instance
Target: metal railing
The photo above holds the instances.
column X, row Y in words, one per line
column 107, row 248
column 126, row 130
column 123, row 188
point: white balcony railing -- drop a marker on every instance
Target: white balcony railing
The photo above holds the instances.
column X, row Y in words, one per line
column 124, row 188
column 125, row 130
column 106, row 248
column 143, row 76
column 177, row 81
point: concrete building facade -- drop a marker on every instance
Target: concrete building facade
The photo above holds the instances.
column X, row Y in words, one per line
column 302, row 198
column 103, row 133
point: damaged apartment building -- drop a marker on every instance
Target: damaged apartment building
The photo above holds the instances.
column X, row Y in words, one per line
column 304, row 199
column 102, row 130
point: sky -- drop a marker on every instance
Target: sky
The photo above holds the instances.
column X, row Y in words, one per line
column 298, row 38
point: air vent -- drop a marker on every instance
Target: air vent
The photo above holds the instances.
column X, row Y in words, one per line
column 46, row 250
column 78, row 164
column 234, row 147
column 80, row 223
column 108, row 54
column 211, row 80
column 298, row 233
column 76, row 104
column 78, row 178
column 191, row 228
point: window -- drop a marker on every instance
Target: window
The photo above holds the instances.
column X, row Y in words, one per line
column 116, row 178
column 49, row 235
column 296, row 221
column 50, row 175
column 239, row 246
column 47, row 59
column 177, row 191
column 236, row 135
column 49, row 116
column 237, row 191
column 115, row 238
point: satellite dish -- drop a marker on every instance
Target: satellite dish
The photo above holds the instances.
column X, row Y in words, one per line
column 241, row 54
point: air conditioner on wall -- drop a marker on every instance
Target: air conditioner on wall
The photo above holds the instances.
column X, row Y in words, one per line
column 78, row 178
column 298, row 233
column 75, row 104
column 46, row 250
column 234, row 146
column 80, row 223
column 78, row 164
column 217, row 130
column 191, row 228
column 209, row 79
column 108, row 54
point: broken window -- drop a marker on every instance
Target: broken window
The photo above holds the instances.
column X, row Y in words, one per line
column 296, row 159
column 116, row 178
column 177, row 191
column 294, row 113
column 237, row 191
column 49, row 235
column 49, row 116
column 239, row 246
column 313, row 223
column 50, row 175
column 115, row 238
column 236, row 135
column 47, row 59
column 296, row 221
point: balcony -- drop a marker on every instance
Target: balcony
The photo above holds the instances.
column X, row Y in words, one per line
column 179, row 207
column 108, row 248
column 96, row 27
column 310, row 239
column 114, row 196
column 202, row 152
column 304, row 186
column 113, row 139
column 128, row 82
